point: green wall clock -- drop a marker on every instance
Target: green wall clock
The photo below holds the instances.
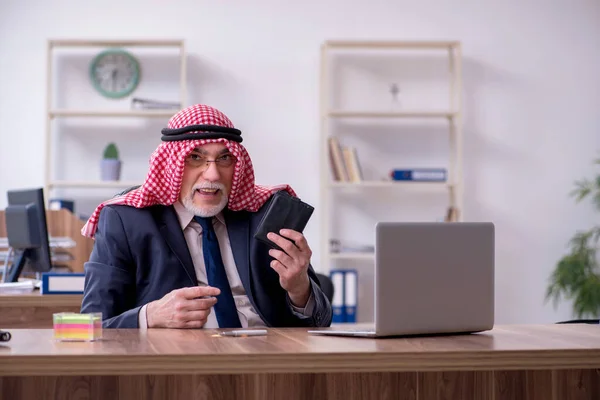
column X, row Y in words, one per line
column 115, row 73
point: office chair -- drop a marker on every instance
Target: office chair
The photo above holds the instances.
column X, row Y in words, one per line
column 126, row 191
column 581, row 321
column 326, row 286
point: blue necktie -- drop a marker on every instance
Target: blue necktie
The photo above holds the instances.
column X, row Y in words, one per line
column 225, row 309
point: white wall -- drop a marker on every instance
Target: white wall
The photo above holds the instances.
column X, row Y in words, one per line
column 532, row 95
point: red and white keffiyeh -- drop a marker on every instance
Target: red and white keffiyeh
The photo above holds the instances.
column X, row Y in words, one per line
column 163, row 181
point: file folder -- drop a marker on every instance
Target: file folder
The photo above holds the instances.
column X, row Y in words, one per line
column 350, row 295
column 62, row 283
column 337, row 278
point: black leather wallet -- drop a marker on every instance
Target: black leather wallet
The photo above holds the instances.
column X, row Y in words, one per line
column 284, row 212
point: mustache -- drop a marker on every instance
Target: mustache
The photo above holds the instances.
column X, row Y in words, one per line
column 209, row 185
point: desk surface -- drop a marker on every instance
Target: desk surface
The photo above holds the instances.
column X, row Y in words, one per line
column 33, row 351
column 36, row 299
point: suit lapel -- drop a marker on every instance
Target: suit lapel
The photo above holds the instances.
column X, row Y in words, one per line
column 238, row 229
column 173, row 235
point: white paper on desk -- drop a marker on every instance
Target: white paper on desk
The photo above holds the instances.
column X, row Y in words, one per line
column 17, row 287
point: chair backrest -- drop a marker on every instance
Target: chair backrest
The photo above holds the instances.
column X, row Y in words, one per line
column 580, row 321
column 126, row 191
column 326, row 286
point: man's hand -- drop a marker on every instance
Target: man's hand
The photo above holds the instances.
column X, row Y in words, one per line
column 182, row 308
column 292, row 264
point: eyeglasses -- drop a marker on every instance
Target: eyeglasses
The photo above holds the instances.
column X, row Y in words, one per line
column 196, row 160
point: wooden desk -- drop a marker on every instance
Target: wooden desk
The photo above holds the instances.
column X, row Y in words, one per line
column 511, row 362
column 33, row 310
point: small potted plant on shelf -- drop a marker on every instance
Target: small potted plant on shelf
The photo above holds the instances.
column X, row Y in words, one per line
column 577, row 275
column 110, row 166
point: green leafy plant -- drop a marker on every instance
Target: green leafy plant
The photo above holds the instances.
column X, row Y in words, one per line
column 111, row 151
column 576, row 275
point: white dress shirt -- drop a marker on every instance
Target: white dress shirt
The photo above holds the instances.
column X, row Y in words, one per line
column 192, row 232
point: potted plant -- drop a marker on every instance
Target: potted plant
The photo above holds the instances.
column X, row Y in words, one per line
column 110, row 166
column 577, row 275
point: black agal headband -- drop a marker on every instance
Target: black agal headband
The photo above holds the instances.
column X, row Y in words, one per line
column 201, row 132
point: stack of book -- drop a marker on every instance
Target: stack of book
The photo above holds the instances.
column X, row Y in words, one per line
column 344, row 162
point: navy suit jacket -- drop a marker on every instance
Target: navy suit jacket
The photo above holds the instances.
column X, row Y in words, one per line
column 140, row 255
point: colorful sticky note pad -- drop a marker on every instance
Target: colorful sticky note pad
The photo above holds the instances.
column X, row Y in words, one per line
column 77, row 327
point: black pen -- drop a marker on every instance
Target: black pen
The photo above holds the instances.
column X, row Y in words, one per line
column 245, row 332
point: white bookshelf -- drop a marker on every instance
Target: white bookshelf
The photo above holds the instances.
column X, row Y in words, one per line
column 92, row 184
column 448, row 118
column 405, row 114
column 113, row 114
column 390, row 44
column 407, row 186
column 116, row 43
column 353, row 256
column 118, row 112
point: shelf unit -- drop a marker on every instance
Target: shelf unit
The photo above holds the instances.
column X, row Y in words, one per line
column 93, row 184
column 408, row 114
column 353, row 256
column 450, row 117
column 50, row 183
column 408, row 186
column 110, row 114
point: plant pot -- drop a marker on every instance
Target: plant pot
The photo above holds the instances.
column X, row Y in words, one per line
column 110, row 169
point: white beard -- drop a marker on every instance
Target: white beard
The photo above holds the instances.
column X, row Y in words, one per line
column 206, row 211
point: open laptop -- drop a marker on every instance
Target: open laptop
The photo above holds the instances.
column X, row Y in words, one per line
column 431, row 279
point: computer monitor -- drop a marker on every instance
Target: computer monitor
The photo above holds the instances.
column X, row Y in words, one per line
column 27, row 232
